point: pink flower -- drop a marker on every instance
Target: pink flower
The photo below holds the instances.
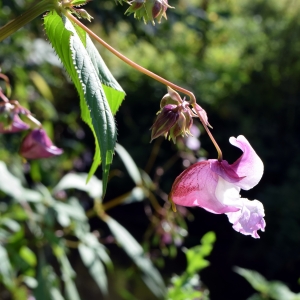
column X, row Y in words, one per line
column 215, row 186
column 16, row 125
column 38, row 145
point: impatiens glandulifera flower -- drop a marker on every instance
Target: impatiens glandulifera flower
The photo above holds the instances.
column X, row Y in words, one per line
column 38, row 145
column 13, row 125
column 174, row 119
column 215, row 186
column 148, row 10
column 10, row 121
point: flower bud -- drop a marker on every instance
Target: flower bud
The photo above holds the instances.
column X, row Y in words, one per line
column 171, row 98
column 12, row 125
column 38, row 145
column 148, row 10
column 165, row 120
column 183, row 125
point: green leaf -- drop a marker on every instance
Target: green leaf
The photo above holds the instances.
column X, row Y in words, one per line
column 151, row 276
column 113, row 91
column 84, row 71
column 6, row 270
column 10, row 184
column 30, row 282
column 129, row 164
column 28, row 255
column 94, row 265
column 258, row 282
column 195, row 255
column 78, row 181
column 67, row 273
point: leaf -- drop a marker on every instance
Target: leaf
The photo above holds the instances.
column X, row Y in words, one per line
column 94, row 265
column 113, row 91
column 78, row 181
column 6, row 270
column 84, row 71
column 129, row 164
column 151, row 276
column 272, row 289
column 30, row 282
column 67, row 273
column 195, row 255
column 258, row 282
column 10, row 184
column 28, row 255
column 48, row 282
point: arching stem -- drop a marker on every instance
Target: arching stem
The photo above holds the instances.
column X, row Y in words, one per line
column 148, row 73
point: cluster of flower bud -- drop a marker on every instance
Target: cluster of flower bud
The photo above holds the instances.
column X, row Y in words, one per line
column 36, row 143
column 174, row 119
column 148, row 10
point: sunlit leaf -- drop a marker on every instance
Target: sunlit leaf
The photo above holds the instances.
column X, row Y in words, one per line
column 78, row 181
column 130, row 165
column 150, row 274
column 6, row 270
column 84, row 71
column 94, row 265
column 28, row 255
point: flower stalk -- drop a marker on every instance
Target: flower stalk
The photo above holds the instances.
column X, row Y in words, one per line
column 148, row 73
column 26, row 17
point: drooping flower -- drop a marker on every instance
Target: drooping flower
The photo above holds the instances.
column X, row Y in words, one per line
column 148, row 10
column 13, row 125
column 215, row 186
column 37, row 144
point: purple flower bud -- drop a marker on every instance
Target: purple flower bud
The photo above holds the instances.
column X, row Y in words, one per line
column 15, row 125
column 38, row 145
column 148, row 10
column 166, row 119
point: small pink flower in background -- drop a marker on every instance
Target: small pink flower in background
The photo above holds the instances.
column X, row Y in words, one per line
column 38, row 145
column 174, row 119
column 192, row 141
column 16, row 125
column 215, row 186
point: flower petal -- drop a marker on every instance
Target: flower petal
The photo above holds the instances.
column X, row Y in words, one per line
column 17, row 125
column 249, row 165
column 38, row 145
column 246, row 171
column 249, row 219
column 196, row 186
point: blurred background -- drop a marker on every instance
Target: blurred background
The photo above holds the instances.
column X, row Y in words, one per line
column 241, row 60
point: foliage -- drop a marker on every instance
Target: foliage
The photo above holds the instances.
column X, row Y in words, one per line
column 188, row 285
column 239, row 57
column 275, row 290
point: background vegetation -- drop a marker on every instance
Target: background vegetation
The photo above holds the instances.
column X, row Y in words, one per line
column 241, row 60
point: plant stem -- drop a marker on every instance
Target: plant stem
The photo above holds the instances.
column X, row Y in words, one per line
column 26, row 17
column 129, row 61
column 148, row 73
column 220, row 155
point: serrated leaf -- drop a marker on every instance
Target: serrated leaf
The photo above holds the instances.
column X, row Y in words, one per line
column 95, row 108
column 151, row 276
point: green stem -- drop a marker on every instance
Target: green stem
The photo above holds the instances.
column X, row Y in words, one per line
column 130, row 62
column 28, row 16
column 148, row 73
column 220, row 155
